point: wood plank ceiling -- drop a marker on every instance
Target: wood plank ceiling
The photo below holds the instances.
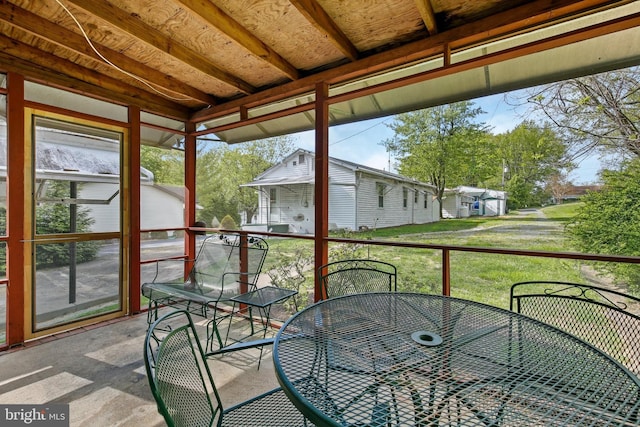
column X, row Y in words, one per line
column 185, row 58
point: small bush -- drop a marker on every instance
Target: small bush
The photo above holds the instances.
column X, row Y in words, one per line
column 228, row 223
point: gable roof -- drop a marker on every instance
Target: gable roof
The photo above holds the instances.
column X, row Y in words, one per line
column 481, row 193
column 264, row 179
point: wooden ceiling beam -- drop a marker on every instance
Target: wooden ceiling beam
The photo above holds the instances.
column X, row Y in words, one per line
column 149, row 35
column 232, row 29
column 317, row 16
column 56, row 34
column 428, row 16
column 499, row 25
column 44, row 67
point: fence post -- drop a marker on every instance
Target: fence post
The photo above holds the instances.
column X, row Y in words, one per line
column 446, row 273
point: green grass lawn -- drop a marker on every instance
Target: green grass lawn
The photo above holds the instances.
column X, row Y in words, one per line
column 562, row 212
column 481, row 277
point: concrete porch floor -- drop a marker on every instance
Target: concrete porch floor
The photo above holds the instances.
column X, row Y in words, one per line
column 100, row 373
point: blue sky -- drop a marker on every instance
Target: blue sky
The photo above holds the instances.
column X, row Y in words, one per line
column 360, row 142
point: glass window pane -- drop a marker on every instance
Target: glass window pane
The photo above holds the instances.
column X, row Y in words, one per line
column 75, row 280
column 77, row 178
column 162, row 191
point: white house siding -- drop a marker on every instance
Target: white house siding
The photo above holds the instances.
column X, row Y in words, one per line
column 368, row 212
column 423, row 214
column 393, row 213
column 342, row 206
column 339, row 174
column 159, row 209
column 295, row 207
column 353, row 197
column 342, row 197
column 450, row 206
column 493, row 207
column 107, row 217
column 293, row 168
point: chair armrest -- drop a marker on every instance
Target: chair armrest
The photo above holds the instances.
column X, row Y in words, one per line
column 234, row 277
column 241, row 345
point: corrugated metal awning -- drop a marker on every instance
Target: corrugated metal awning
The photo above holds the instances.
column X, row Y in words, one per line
column 280, row 181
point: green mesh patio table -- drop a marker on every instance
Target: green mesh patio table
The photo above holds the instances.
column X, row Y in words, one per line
column 401, row 359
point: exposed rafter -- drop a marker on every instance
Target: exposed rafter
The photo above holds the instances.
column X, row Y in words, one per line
column 131, row 25
column 67, row 39
column 36, row 64
column 219, row 19
column 428, row 16
column 323, row 22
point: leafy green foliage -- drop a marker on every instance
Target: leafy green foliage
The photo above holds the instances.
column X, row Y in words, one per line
column 532, row 155
column 221, row 169
column 446, row 147
column 609, row 221
column 167, row 166
column 228, row 223
column 443, row 146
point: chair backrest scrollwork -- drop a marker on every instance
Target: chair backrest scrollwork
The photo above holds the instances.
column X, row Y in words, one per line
column 606, row 318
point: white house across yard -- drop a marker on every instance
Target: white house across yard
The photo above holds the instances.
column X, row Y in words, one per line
column 360, row 197
column 464, row 201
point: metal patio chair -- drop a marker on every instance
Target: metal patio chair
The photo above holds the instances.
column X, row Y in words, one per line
column 214, row 280
column 184, row 389
column 606, row 318
column 353, row 276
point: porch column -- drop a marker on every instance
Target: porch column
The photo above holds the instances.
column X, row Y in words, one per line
column 190, row 151
column 321, row 253
column 132, row 162
column 18, row 230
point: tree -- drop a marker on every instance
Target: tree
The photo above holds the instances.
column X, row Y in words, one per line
column 250, row 160
column 598, row 113
column 559, row 186
column 167, row 166
column 222, row 169
column 531, row 154
column 609, row 221
column 443, row 146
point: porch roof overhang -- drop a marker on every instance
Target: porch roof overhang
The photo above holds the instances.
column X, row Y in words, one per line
column 586, row 45
column 250, row 73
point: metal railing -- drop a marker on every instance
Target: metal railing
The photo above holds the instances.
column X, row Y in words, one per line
column 446, row 251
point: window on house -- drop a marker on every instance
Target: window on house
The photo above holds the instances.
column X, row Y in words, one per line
column 272, row 196
column 380, row 190
column 301, row 159
column 405, row 197
column 425, row 200
column 415, row 196
column 294, row 163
